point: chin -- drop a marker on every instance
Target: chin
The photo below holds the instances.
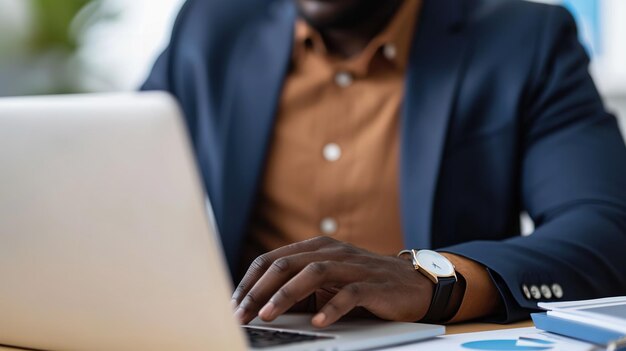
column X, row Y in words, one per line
column 327, row 14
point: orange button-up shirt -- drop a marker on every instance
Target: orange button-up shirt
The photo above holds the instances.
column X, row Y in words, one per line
column 333, row 163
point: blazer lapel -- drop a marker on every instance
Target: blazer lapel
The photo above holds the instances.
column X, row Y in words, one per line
column 436, row 66
column 252, row 99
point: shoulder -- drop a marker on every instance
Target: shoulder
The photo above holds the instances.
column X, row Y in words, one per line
column 204, row 22
column 517, row 18
column 205, row 37
column 520, row 35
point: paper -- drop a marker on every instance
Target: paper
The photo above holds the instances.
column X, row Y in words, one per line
column 554, row 340
column 608, row 313
column 521, row 339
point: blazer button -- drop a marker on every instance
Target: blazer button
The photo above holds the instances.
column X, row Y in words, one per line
column 535, row 292
column 546, row 292
column 526, row 292
column 557, row 291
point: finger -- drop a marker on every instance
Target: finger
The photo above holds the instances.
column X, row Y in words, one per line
column 315, row 276
column 351, row 296
column 279, row 273
column 262, row 263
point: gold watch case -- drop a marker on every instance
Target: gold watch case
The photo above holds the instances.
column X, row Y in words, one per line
column 431, row 274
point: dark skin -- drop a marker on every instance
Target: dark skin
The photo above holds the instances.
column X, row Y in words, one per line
column 347, row 26
column 339, row 278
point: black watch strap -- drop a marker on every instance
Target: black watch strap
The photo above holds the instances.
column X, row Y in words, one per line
column 441, row 299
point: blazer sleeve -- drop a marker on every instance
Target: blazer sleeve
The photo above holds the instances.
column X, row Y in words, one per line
column 573, row 186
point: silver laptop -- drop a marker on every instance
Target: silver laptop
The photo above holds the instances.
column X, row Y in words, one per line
column 105, row 242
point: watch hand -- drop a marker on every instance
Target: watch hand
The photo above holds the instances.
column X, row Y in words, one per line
column 435, row 265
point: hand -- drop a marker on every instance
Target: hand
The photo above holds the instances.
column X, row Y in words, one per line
column 345, row 276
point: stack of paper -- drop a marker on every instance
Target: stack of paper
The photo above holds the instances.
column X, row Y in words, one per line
column 600, row 321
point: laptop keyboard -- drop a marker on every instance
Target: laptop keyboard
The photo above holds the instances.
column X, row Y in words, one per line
column 263, row 338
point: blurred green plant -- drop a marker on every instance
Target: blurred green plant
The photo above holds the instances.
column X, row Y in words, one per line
column 53, row 22
column 44, row 61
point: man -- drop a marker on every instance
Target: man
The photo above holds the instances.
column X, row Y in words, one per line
column 403, row 124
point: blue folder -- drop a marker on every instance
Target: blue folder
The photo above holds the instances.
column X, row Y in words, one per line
column 577, row 330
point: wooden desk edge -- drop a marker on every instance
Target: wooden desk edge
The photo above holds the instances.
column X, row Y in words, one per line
column 452, row 329
column 479, row 327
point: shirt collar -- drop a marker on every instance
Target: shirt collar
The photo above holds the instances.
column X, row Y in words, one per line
column 392, row 44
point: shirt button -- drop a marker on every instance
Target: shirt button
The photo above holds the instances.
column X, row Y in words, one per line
column 332, row 152
column 390, row 52
column 546, row 292
column 344, row 79
column 557, row 291
column 329, row 226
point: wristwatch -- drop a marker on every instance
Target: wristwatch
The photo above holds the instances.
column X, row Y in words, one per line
column 441, row 272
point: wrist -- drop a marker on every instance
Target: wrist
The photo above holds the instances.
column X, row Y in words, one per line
column 446, row 294
column 480, row 297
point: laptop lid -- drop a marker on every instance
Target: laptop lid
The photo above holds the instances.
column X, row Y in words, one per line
column 104, row 241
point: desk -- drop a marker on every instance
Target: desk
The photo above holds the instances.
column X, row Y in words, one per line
column 479, row 327
column 453, row 329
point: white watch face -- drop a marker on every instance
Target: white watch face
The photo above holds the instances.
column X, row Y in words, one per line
column 435, row 263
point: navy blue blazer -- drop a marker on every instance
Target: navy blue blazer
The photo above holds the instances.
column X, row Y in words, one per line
column 500, row 117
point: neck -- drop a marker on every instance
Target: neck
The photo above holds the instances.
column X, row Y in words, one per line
column 350, row 41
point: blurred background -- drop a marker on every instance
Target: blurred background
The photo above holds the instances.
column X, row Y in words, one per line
column 52, row 46
column 69, row 46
